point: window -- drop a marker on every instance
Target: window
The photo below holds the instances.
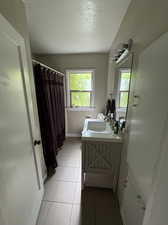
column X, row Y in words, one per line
column 124, row 88
column 80, row 91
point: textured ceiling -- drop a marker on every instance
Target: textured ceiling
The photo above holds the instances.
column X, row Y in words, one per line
column 74, row 26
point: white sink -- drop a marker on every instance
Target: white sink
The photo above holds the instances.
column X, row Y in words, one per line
column 99, row 129
column 96, row 125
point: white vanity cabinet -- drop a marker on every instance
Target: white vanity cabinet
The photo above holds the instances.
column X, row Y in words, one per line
column 100, row 163
column 133, row 207
column 101, row 153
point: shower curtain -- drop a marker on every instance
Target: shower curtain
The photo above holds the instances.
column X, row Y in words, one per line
column 50, row 101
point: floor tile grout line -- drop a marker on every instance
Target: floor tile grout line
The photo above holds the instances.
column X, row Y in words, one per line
column 56, row 181
column 70, row 181
column 59, row 202
column 78, row 167
column 67, row 167
column 64, row 203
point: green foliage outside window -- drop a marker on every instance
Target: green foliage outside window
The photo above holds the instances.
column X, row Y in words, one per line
column 123, row 99
column 124, row 89
column 80, row 89
column 80, row 99
column 81, row 82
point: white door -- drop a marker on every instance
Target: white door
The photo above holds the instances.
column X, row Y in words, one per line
column 122, row 181
column 132, row 206
column 156, row 212
column 20, row 180
column 128, row 205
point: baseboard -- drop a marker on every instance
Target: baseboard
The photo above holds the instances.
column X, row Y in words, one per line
column 73, row 135
column 122, row 216
column 35, row 213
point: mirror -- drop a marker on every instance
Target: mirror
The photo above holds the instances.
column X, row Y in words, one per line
column 123, row 74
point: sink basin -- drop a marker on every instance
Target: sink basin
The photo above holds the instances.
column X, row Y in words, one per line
column 98, row 125
column 98, row 129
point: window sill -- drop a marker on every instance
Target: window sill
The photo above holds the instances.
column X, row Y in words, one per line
column 121, row 109
column 83, row 109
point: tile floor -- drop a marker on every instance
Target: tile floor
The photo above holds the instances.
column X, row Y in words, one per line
column 62, row 203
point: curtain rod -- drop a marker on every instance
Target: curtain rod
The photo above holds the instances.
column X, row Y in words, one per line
column 59, row 73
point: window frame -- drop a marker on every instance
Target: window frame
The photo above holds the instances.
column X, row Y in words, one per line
column 126, row 70
column 69, row 92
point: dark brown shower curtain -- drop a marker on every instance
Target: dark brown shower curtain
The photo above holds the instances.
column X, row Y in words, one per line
column 50, row 101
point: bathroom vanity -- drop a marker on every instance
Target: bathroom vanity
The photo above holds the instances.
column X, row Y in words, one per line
column 101, row 151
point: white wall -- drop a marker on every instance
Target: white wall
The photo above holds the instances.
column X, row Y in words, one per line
column 97, row 61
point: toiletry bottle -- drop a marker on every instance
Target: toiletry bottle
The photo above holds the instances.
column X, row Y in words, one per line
column 116, row 128
column 123, row 126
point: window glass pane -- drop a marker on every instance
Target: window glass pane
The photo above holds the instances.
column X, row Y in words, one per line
column 81, row 81
column 123, row 99
column 125, row 79
column 80, row 99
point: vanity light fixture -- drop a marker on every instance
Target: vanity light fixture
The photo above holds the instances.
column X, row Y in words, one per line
column 123, row 51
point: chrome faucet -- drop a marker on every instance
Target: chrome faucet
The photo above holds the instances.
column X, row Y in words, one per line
column 109, row 118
